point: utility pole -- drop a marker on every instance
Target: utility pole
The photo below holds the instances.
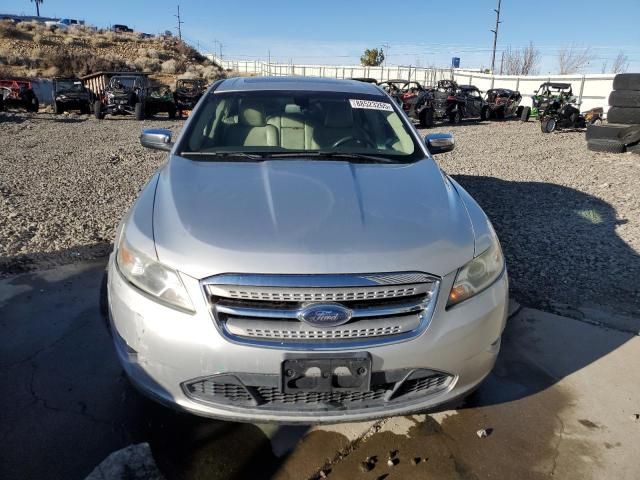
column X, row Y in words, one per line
column 386, row 47
column 495, row 37
column 219, row 44
column 180, row 22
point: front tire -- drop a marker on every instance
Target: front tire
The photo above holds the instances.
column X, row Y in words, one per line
column 455, row 117
column 97, row 110
column 426, row 118
column 484, row 113
column 139, row 111
column 526, row 113
column 57, row 108
column 548, row 125
column 34, row 105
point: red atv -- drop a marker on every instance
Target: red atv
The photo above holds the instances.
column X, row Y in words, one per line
column 21, row 95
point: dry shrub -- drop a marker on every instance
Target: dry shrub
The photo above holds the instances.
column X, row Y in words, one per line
column 83, row 63
column 170, row 66
column 152, row 53
column 29, row 26
column 70, row 40
column 148, row 64
column 9, row 30
column 100, row 42
column 51, row 72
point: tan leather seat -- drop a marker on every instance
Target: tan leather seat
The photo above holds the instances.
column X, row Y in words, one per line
column 338, row 124
column 296, row 133
column 252, row 129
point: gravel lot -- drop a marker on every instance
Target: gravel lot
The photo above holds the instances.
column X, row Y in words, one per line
column 568, row 219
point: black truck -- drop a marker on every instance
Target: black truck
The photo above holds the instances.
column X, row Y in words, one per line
column 71, row 94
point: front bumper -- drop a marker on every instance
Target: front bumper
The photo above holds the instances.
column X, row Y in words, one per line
column 161, row 348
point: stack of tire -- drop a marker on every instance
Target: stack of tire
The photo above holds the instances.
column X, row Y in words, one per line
column 621, row 133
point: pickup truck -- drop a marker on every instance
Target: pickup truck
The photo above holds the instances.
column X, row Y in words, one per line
column 63, row 23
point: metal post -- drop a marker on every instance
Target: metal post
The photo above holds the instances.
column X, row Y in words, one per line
column 581, row 91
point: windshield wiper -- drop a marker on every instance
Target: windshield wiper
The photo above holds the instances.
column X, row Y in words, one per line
column 330, row 155
column 224, row 155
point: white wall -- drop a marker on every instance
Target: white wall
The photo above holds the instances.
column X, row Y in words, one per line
column 592, row 90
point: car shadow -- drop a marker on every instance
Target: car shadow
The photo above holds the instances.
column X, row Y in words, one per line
column 560, row 244
column 562, row 252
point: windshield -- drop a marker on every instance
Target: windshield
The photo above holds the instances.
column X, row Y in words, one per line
column 123, row 82
column 281, row 122
column 69, row 86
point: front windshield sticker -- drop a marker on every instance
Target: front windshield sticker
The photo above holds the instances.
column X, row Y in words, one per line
column 370, row 104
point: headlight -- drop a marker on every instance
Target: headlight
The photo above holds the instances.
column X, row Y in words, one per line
column 61, row 97
column 478, row 274
column 152, row 277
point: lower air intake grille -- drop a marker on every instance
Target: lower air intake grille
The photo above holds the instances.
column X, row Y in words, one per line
column 211, row 390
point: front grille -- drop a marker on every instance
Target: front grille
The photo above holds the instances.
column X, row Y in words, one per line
column 267, row 308
column 271, row 295
column 323, row 334
column 212, row 390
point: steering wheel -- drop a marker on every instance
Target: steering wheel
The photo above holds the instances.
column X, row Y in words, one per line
column 360, row 141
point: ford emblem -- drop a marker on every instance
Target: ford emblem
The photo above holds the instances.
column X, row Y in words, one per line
column 325, row 315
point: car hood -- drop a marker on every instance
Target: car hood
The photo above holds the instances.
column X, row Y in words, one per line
column 308, row 217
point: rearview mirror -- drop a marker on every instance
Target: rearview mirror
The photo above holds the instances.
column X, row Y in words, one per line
column 439, row 142
column 156, row 138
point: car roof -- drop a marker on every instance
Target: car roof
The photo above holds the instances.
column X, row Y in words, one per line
column 317, row 84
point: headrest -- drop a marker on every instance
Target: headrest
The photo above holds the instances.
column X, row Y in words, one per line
column 292, row 108
column 339, row 115
column 252, row 114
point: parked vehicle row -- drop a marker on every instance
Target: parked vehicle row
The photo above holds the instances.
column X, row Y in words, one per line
column 450, row 101
column 125, row 93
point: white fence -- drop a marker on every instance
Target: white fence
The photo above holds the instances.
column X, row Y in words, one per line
column 592, row 90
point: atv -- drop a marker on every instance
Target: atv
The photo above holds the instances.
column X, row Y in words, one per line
column 451, row 101
column 187, row 94
column 159, row 99
column 70, row 94
column 404, row 92
column 542, row 96
column 563, row 112
column 125, row 94
column 20, row 95
column 503, row 103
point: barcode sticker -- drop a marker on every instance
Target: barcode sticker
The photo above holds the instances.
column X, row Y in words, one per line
column 370, row 104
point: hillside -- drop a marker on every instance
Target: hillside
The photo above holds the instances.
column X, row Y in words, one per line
column 30, row 49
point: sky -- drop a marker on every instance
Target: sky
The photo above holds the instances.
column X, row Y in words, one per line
column 417, row 32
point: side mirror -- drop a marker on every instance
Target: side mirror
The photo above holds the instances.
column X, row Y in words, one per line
column 156, row 138
column 439, row 142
